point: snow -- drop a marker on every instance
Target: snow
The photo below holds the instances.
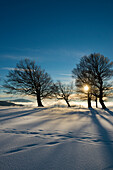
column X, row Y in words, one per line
column 56, row 138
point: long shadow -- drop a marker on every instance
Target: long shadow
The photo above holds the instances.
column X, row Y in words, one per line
column 109, row 111
column 20, row 114
column 12, row 113
column 105, row 137
column 4, row 109
column 105, row 118
column 79, row 112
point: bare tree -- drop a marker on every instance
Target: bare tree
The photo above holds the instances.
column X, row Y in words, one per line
column 63, row 91
column 28, row 78
column 96, row 70
column 83, row 78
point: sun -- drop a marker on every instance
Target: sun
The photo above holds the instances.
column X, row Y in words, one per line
column 86, row 88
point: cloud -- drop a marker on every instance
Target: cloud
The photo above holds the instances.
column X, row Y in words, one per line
column 44, row 55
column 14, row 57
column 46, row 52
column 65, row 80
column 72, row 53
column 7, row 68
column 3, row 95
column 25, row 49
column 63, row 52
column 19, row 69
column 10, row 57
column 67, row 75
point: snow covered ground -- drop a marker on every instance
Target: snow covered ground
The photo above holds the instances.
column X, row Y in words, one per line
column 56, row 138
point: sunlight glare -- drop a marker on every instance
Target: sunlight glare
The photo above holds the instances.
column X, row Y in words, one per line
column 86, row 88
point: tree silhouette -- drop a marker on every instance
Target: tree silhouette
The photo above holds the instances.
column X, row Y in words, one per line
column 30, row 79
column 63, row 91
column 95, row 70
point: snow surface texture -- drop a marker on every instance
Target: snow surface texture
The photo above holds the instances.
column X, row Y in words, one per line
column 54, row 138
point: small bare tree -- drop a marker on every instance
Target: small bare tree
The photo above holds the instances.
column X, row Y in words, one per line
column 63, row 91
column 28, row 78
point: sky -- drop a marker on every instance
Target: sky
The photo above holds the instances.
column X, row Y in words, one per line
column 54, row 33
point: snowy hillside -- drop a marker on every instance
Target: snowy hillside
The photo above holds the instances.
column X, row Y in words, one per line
column 53, row 138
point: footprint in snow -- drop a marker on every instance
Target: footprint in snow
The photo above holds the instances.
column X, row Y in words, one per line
column 21, row 148
column 52, row 143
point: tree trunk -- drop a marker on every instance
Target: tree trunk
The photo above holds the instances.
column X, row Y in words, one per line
column 89, row 101
column 96, row 102
column 67, row 103
column 39, row 100
column 102, row 103
column 101, row 98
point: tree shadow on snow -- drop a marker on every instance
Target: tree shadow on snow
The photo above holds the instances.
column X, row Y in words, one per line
column 109, row 111
column 79, row 112
column 105, row 137
column 18, row 114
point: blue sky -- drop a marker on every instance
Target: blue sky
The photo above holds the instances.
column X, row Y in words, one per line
column 54, row 33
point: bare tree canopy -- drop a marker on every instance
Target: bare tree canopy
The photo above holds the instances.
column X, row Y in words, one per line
column 30, row 79
column 94, row 70
column 63, row 91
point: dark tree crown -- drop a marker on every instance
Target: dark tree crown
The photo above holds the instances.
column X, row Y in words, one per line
column 28, row 78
